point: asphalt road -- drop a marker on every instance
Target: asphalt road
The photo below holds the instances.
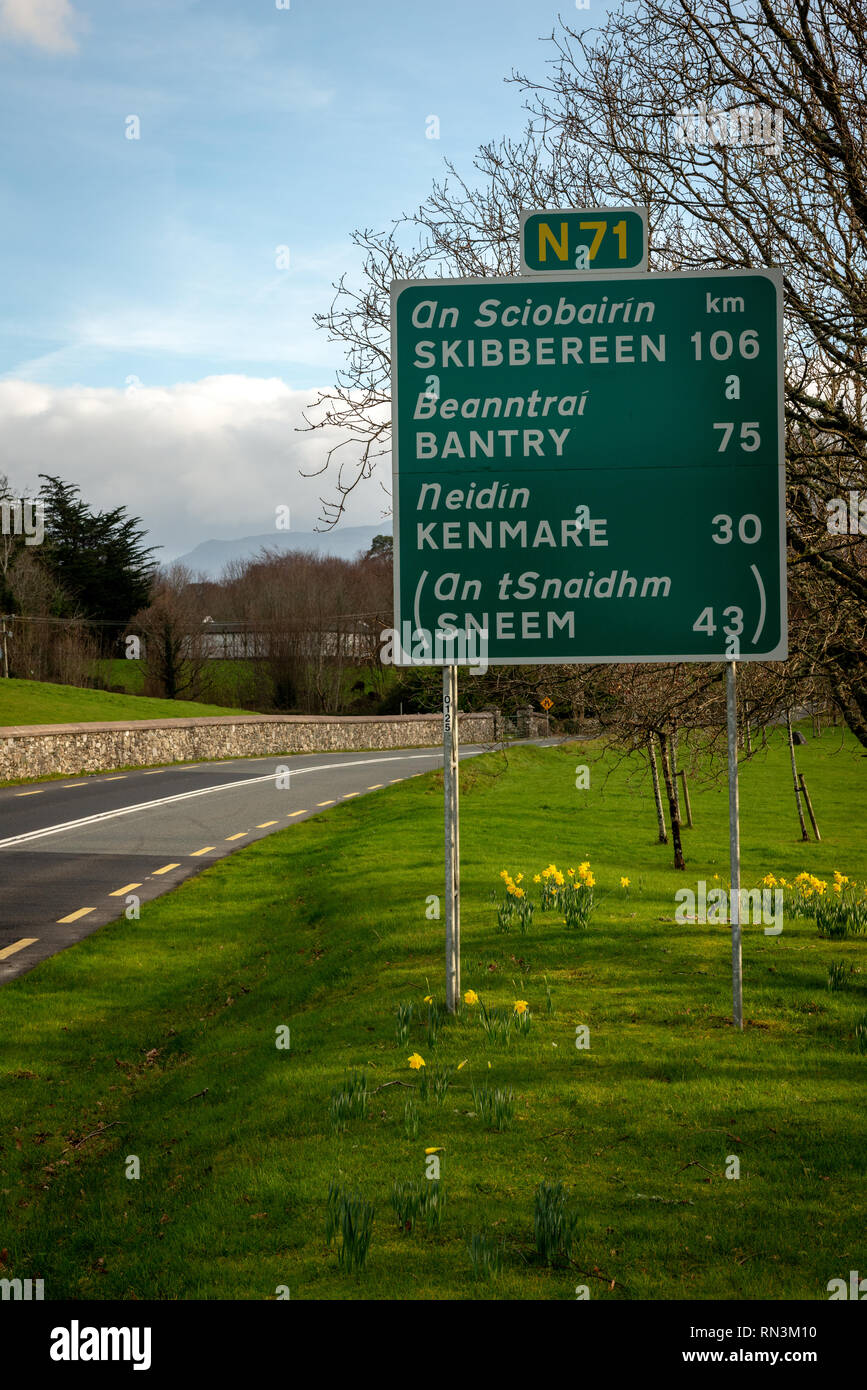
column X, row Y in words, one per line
column 71, row 851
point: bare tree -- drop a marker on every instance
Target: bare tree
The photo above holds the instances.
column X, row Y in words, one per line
column 778, row 178
column 174, row 644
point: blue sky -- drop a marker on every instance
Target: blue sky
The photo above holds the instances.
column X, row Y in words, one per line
column 151, row 262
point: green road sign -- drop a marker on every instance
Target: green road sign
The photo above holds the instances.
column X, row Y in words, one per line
column 589, row 469
column 584, row 239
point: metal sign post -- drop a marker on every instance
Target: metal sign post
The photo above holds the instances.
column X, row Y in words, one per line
column 734, row 846
column 452, row 846
column 550, row 430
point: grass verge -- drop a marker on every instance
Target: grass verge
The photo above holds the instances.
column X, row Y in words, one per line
column 40, row 702
column 156, row 1040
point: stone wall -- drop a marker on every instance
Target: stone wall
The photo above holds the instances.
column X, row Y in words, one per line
column 41, row 749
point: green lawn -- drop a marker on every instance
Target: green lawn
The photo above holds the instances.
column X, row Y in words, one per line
column 40, row 702
column 246, row 681
column 156, row 1039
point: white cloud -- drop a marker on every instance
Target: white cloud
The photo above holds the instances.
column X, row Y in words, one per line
column 200, row 460
column 45, row 23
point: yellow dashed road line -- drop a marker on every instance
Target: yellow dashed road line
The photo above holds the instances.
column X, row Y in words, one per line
column 265, row 824
column 165, row 868
column 240, row 835
column 297, row 813
column 376, row 786
column 196, row 852
column 17, row 946
column 347, row 795
column 115, row 779
column 119, row 892
column 74, row 916
column 325, row 803
column 39, row 793
column 67, row 785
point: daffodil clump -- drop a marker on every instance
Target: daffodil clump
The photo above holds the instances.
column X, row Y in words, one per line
column 839, row 908
column 570, row 893
column 551, row 882
column 843, row 911
column 516, row 906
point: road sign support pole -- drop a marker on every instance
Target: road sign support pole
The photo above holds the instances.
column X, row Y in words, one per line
column 734, row 846
column 452, row 838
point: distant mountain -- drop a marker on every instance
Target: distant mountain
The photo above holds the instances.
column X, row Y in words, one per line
column 345, row 542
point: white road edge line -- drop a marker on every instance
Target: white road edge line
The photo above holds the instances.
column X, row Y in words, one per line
column 202, row 791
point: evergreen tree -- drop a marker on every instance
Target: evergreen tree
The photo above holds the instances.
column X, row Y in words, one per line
column 95, row 557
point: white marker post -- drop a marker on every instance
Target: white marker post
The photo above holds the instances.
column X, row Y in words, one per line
column 453, row 871
column 734, row 847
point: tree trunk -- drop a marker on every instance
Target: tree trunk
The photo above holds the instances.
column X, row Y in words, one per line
column 657, row 795
column 804, row 833
column 673, row 808
column 674, row 769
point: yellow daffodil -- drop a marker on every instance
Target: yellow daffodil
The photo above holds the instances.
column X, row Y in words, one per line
column 462, row 1064
column 520, row 1006
column 471, row 997
column 416, row 1061
column 434, row 1151
column 428, row 999
column 624, row 882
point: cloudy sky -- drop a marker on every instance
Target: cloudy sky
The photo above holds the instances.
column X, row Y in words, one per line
column 150, row 348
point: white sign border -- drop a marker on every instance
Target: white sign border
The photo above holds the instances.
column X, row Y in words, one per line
column 527, row 213
column 775, row 276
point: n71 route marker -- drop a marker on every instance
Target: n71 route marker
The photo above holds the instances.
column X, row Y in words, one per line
column 589, row 468
column 590, row 239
